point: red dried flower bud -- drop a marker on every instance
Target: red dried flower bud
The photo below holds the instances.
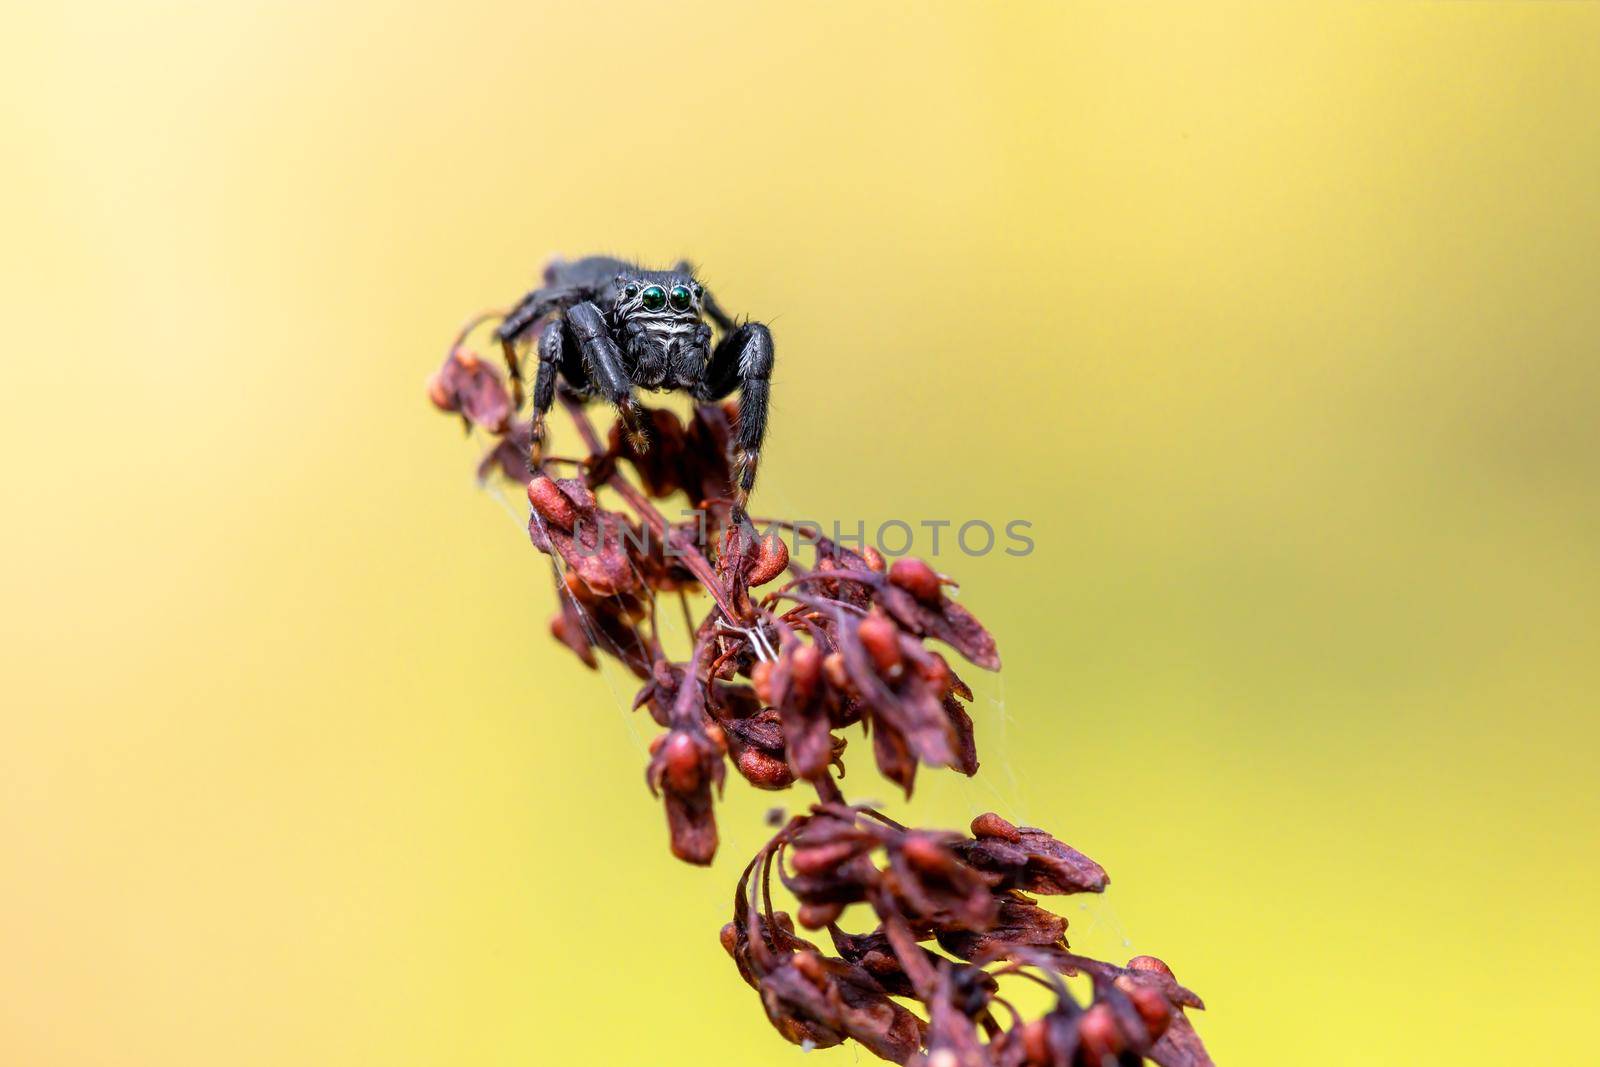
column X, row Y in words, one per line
column 1153, row 1008
column 822, row 859
column 552, row 504
column 682, row 763
column 991, row 825
column 1036, row 1043
column 916, row 578
column 1099, row 1037
column 764, row 771
column 834, row 670
column 805, row 672
column 718, row 737
column 1149, row 963
column 925, row 854
column 881, row 639
column 809, row 964
column 935, row 671
column 729, row 937
column 577, row 588
column 467, row 358
column 761, row 680
column 873, row 557
column 440, row 394
column 815, row 916
column 769, row 558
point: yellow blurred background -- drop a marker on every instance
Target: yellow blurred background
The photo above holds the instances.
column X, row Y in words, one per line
column 1278, row 323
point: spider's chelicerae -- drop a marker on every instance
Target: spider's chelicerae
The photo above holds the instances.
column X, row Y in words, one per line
column 609, row 326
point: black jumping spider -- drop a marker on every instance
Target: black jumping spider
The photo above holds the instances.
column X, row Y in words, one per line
column 610, row 326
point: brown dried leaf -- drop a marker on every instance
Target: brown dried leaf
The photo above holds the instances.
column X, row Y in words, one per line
column 1019, row 922
column 472, row 387
column 1036, row 863
column 945, row 621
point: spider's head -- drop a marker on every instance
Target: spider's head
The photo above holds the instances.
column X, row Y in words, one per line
column 658, row 315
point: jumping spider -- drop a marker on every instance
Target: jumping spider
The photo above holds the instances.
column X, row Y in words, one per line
column 611, row 325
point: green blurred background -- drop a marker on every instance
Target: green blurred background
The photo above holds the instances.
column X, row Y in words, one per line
column 1278, row 323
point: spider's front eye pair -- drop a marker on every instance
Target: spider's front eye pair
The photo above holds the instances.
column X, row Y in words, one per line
column 655, row 298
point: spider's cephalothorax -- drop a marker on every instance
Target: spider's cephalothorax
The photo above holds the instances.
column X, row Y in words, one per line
column 608, row 326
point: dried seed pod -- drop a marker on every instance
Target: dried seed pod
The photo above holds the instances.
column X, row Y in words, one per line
column 991, row 825
column 805, row 672
column 552, row 504
column 1153, row 1008
column 761, row 680
column 833, row 668
column 881, row 638
column 916, row 578
column 439, row 394
column 683, row 763
column 762, row 770
column 937, row 672
column 1036, row 1043
column 769, row 558
column 815, row 916
column 1149, row 963
column 1099, row 1036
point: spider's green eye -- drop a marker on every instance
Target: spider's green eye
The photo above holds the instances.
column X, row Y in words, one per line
column 655, row 298
column 680, row 298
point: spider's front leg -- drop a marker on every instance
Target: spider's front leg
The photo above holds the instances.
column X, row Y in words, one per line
column 603, row 361
column 529, row 310
column 743, row 360
column 544, row 389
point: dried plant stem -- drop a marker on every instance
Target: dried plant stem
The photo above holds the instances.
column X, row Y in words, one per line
column 768, row 692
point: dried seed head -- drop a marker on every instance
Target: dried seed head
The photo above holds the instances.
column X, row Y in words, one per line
column 966, row 895
column 467, row 358
column 552, row 504
column 916, row 578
